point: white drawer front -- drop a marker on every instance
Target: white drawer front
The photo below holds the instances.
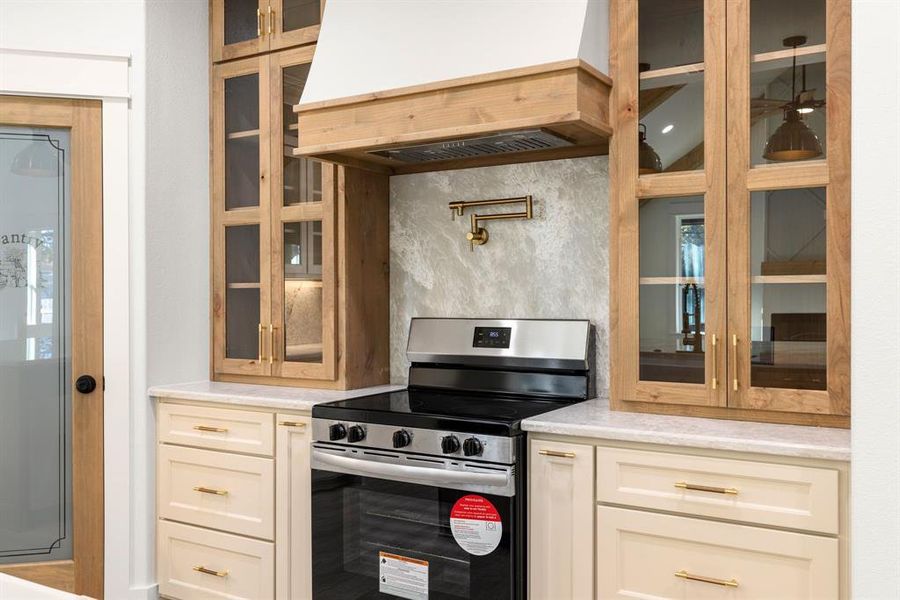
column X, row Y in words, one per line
column 197, row 563
column 754, row 492
column 215, row 489
column 217, row 428
column 650, row 555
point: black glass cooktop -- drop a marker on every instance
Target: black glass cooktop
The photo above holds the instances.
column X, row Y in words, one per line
column 470, row 413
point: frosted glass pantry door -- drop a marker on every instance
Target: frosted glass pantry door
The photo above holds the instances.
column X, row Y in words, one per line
column 35, row 348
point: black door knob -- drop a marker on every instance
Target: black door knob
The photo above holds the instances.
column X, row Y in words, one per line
column 449, row 444
column 356, row 434
column 85, row 384
column 472, row 447
column 402, row 438
column 337, row 432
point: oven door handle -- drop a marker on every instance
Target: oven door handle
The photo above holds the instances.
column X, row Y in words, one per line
column 410, row 473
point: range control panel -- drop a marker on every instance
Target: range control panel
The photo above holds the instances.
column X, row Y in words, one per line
column 492, row 337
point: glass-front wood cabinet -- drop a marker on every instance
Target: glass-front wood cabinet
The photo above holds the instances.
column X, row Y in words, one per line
column 277, row 244
column 242, row 28
column 730, row 176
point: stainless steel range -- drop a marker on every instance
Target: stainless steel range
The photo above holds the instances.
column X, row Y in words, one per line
column 420, row 493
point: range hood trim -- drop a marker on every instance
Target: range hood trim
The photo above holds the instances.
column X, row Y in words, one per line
column 575, row 107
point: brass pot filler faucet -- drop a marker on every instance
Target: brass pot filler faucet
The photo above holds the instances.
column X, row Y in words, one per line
column 479, row 235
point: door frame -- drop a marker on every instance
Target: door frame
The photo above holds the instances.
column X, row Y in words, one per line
column 82, row 118
column 127, row 448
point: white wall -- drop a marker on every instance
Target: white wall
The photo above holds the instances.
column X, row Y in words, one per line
column 384, row 44
column 875, row 496
column 166, row 41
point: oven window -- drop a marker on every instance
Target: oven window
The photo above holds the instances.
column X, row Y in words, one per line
column 355, row 518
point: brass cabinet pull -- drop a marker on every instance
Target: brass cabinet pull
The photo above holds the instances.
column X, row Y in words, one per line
column 202, row 569
column 725, row 582
column 734, row 351
column 207, row 490
column 259, row 23
column 272, row 329
column 271, row 20
column 292, row 423
column 715, row 362
column 556, row 453
column 706, row 488
column 259, row 356
column 211, row 428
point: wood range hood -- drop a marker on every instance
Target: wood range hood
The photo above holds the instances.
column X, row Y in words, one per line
column 528, row 112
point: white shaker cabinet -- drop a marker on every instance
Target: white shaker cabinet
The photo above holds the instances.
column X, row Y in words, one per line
column 560, row 521
column 293, row 564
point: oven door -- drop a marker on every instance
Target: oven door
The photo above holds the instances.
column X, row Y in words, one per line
column 390, row 525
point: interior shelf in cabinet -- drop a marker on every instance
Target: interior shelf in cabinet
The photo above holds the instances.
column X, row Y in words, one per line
column 671, row 280
column 789, row 278
column 243, row 286
column 237, row 135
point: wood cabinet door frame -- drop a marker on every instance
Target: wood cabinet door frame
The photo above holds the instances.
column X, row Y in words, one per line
column 83, row 120
column 324, row 211
column 221, row 219
column 832, row 173
column 279, row 38
column 629, row 190
column 221, row 51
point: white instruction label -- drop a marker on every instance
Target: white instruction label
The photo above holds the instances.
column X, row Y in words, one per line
column 402, row 576
column 476, row 525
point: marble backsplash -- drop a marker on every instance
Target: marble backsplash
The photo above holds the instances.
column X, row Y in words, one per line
column 553, row 266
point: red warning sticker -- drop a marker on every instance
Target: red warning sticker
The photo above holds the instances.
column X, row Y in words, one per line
column 476, row 525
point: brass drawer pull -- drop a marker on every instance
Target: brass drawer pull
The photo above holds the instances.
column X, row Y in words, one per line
column 211, row 428
column 259, row 355
column 725, row 582
column 207, row 490
column 292, row 423
column 272, row 330
column 556, row 453
column 706, row 488
column 204, row 570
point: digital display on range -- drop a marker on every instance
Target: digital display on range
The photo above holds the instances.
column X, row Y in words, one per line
column 492, row 337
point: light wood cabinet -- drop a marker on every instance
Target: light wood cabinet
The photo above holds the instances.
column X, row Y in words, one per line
column 245, row 519
column 293, row 525
column 650, row 555
column 240, row 28
column 731, row 123
column 296, row 243
column 560, row 518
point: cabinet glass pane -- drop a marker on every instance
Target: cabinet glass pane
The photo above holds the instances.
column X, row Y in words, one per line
column 670, row 33
column 299, row 14
column 771, row 21
column 788, row 304
column 787, row 110
column 240, row 20
column 672, row 293
column 242, row 283
column 302, row 176
column 303, row 292
column 671, row 115
column 242, row 141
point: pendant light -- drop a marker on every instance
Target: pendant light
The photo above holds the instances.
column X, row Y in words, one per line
column 648, row 159
column 793, row 140
column 35, row 160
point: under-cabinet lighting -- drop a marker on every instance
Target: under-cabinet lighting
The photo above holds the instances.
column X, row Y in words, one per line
column 668, row 128
column 805, row 110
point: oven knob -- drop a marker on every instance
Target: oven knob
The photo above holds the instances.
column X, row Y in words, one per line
column 337, row 432
column 356, row 434
column 449, row 444
column 402, row 438
column 472, row 447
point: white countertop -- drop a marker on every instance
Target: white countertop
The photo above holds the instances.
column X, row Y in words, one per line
column 594, row 419
column 269, row 396
column 13, row 588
